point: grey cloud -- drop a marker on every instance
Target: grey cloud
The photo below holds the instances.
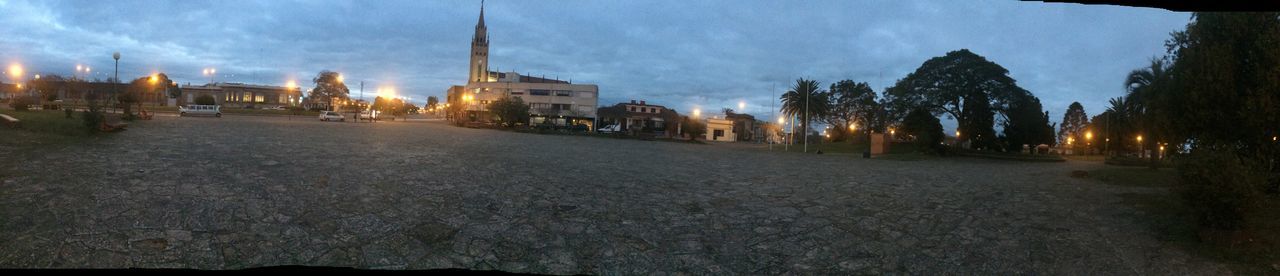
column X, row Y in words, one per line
column 683, row 54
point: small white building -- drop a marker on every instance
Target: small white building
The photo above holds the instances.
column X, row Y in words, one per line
column 720, row 129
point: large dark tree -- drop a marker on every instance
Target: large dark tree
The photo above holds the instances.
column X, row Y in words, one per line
column 150, row 88
column 1224, row 100
column 851, row 103
column 1074, row 124
column 1150, row 100
column 1026, row 123
column 806, row 100
column 432, row 101
column 329, row 86
column 924, row 128
column 950, row 84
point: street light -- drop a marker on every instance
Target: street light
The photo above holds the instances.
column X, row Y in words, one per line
column 115, row 80
column 15, row 70
column 696, row 112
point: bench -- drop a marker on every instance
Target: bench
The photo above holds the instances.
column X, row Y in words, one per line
column 112, row 127
column 10, row 121
column 143, row 114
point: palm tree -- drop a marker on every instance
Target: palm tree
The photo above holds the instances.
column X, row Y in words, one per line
column 807, row 100
column 1144, row 106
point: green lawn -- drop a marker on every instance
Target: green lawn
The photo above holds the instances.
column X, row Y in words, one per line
column 49, row 122
column 1255, row 252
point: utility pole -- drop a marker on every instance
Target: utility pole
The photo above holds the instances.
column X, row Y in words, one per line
column 115, row 84
column 805, row 121
column 773, row 89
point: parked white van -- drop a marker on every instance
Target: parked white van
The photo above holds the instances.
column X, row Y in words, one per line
column 200, row 110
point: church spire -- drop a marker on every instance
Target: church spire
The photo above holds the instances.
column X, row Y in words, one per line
column 481, row 23
column 480, row 51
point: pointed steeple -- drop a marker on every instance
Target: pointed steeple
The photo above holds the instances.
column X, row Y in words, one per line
column 481, row 23
column 480, row 51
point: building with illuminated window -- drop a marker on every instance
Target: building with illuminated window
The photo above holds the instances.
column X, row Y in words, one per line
column 239, row 95
column 553, row 101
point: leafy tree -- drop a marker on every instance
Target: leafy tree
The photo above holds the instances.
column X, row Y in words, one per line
column 1115, row 126
column 206, row 100
column 432, row 101
column 93, row 115
column 510, row 110
column 806, row 100
column 977, row 127
column 953, row 83
column 1150, row 92
column 48, row 86
column 409, row 108
column 1224, row 99
column 1026, row 123
column 693, row 127
column 174, row 91
column 329, row 86
column 141, row 89
column 670, row 120
column 851, row 103
column 1074, row 124
column 925, row 129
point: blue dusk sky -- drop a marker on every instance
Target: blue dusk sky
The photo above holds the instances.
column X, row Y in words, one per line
column 682, row 54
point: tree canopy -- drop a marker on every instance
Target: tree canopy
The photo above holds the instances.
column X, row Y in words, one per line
column 510, row 110
column 807, row 100
column 329, row 85
column 1074, row 123
column 851, row 103
column 964, row 86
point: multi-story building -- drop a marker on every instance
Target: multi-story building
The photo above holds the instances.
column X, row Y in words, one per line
column 550, row 100
column 744, row 126
column 636, row 116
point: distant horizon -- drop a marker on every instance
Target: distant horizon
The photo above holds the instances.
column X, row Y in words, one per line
column 703, row 55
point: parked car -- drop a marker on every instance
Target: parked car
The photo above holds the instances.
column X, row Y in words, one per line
column 200, row 110
column 610, row 128
column 331, row 116
column 367, row 115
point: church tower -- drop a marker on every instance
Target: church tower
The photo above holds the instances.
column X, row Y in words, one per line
column 480, row 51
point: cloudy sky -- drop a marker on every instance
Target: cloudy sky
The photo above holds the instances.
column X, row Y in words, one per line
column 683, row 54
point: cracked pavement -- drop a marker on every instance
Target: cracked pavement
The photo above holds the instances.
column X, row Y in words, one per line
column 245, row 191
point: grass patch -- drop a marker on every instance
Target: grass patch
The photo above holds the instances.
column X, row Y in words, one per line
column 1137, row 177
column 50, row 122
column 1254, row 252
column 1007, row 155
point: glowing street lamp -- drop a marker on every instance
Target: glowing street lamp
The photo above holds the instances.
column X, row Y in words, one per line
column 696, row 112
column 742, row 106
column 1139, row 138
column 853, row 127
column 15, row 70
column 340, row 78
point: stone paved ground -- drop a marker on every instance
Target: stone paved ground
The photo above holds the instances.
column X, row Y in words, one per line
column 244, row 192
